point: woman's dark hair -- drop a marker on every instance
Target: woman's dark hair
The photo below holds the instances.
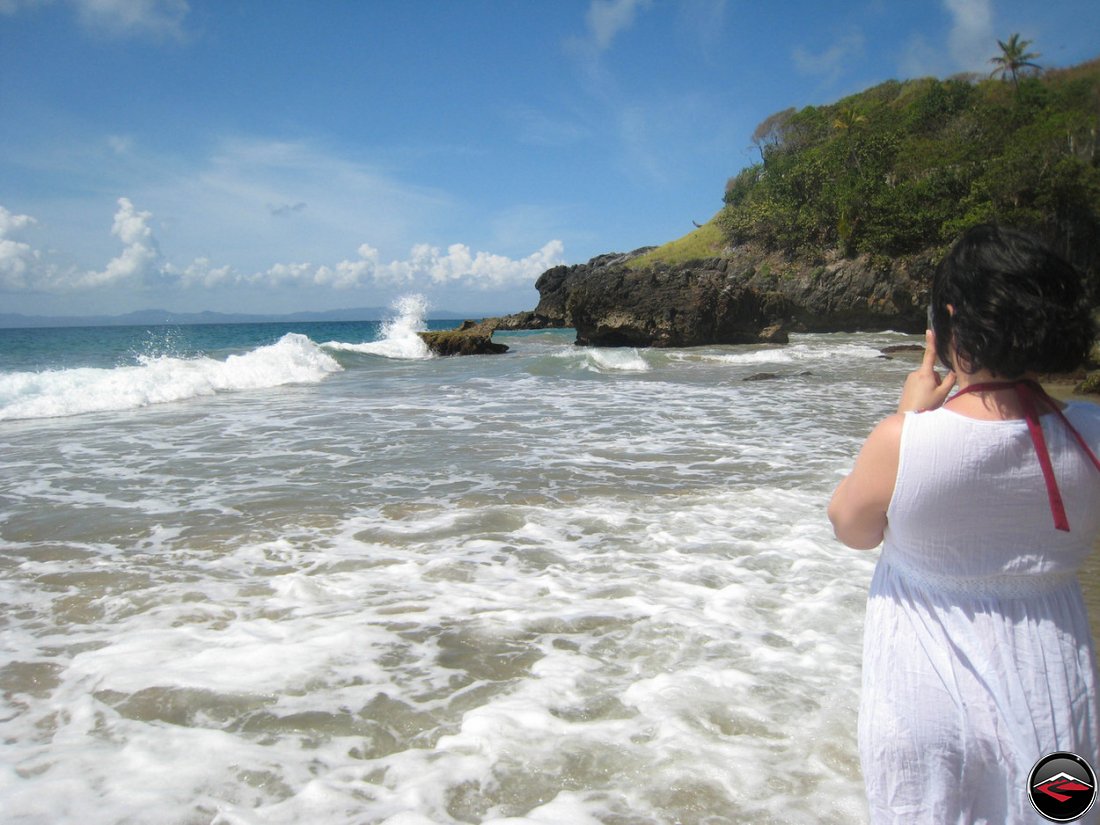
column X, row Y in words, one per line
column 1018, row 305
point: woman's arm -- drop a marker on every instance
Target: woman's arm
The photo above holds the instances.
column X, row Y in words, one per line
column 858, row 507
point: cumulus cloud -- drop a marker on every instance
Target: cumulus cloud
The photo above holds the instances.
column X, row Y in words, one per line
column 426, row 264
column 17, row 259
column 488, row 271
column 140, row 255
column 200, row 273
column 141, row 264
column 25, row 268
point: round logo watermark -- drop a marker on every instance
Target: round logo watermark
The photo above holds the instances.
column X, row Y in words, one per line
column 1062, row 786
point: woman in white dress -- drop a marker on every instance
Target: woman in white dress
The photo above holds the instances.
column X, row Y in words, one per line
column 978, row 659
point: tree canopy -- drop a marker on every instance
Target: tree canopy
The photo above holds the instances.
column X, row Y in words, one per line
column 905, row 166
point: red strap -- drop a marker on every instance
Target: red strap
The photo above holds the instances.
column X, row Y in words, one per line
column 1029, row 392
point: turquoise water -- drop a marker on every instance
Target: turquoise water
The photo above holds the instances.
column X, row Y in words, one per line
column 311, row 574
column 106, row 347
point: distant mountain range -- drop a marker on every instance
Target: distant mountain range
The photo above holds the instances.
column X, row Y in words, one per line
column 153, row 317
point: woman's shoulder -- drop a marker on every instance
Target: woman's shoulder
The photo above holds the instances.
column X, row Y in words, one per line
column 889, row 430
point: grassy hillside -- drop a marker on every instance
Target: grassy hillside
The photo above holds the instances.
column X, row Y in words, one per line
column 707, row 241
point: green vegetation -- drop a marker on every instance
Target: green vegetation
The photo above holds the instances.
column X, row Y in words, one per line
column 905, row 166
column 705, row 242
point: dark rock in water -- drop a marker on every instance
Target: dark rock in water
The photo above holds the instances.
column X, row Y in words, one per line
column 662, row 306
column 470, row 338
column 748, row 295
column 770, row 376
column 528, row 320
column 901, row 348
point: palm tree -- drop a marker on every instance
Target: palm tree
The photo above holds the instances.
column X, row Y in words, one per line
column 1013, row 58
column 848, row 118
column 846, row 121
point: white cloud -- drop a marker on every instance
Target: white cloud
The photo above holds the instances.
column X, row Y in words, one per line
column 970, row 42
column 604, row 21
column 119, row 18
column 17, row 259
column 425, row 265
column 140, row 264
column 606, row 18
column 24, row 268
column 829, row 64
column 488, row 271
column 124, row 18
column 138, row 260
column 13, row 223
column 971, row 37
column 201, row 273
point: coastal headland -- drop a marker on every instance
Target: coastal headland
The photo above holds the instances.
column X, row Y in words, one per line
column 840, row 225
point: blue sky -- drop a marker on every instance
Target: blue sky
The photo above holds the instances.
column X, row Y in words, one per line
column 242, row 155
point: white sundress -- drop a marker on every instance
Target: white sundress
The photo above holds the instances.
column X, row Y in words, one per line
column 978, row 659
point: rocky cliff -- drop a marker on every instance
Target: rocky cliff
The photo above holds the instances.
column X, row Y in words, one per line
column 746, row 295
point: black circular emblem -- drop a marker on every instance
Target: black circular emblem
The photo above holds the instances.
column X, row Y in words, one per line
column 1062, row 786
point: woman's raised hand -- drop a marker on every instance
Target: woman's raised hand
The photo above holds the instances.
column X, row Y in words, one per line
column 924, row 389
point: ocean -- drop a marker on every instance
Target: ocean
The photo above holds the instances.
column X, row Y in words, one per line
column 307, row 573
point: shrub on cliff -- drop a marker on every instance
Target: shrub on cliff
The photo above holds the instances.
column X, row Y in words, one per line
column 905, row 166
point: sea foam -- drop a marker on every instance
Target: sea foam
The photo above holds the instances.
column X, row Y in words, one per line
column 399, row 337
column 293, row 359
column 499, row 592
column 606, row 360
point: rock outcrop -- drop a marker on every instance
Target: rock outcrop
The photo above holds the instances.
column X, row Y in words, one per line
column 747, row 295
column 470, row 338
column 673, row 307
